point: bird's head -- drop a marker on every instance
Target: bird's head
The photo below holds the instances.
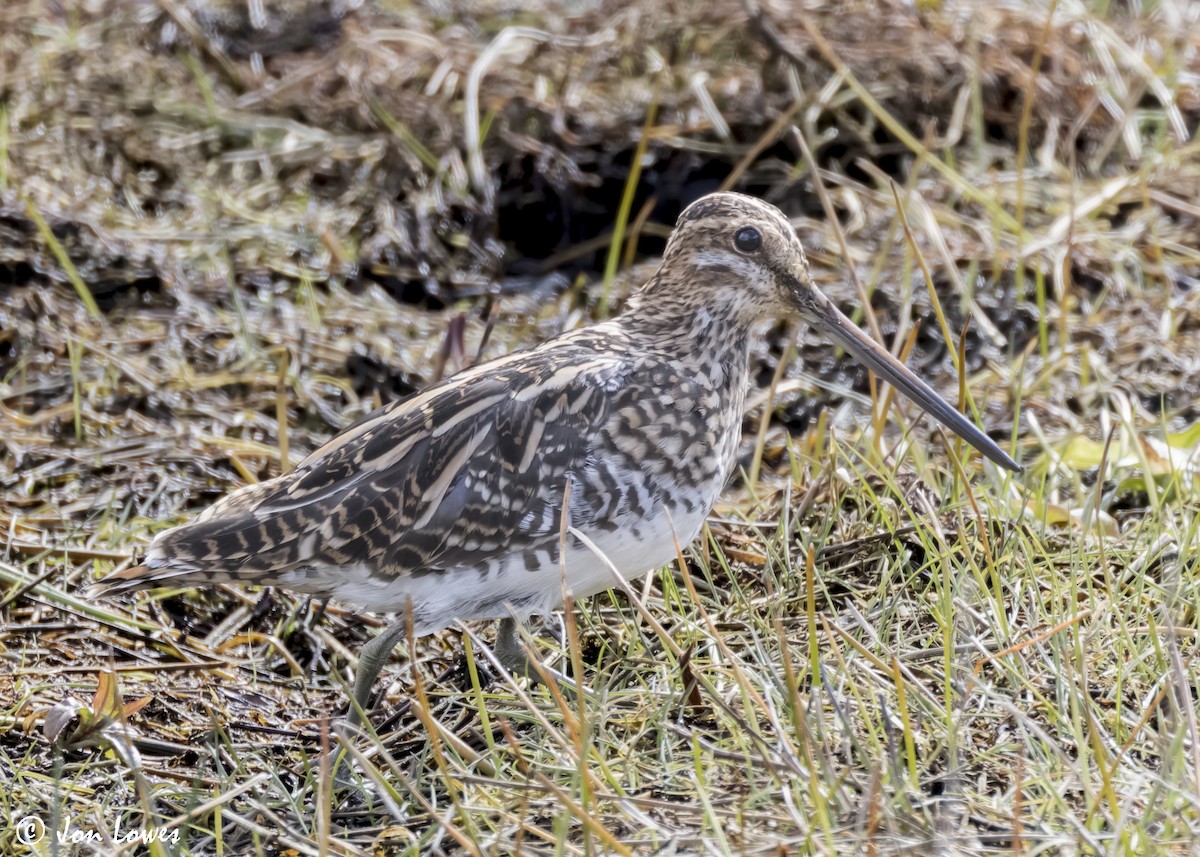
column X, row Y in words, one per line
column 739, row 257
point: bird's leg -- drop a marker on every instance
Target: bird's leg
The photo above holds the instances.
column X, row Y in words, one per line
column 510, row 652
column 370, row 661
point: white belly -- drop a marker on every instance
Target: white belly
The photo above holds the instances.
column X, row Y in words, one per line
column 633, row 557
column 510, row 587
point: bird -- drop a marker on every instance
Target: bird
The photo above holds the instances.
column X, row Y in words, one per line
column 449, row 505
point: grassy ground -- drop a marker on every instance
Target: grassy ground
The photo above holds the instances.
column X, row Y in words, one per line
column 222, row 243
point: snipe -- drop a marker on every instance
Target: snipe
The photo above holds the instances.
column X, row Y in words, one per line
column 450, row 501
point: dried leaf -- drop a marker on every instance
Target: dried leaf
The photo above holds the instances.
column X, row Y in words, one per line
column 60, row 716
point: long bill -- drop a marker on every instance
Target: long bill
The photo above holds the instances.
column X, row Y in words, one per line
column 821, row 313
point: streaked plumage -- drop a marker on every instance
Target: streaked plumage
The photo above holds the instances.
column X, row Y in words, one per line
column 453, row 498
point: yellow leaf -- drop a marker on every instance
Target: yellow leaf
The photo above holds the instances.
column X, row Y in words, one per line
column 1082, row 453
column 1189, row 438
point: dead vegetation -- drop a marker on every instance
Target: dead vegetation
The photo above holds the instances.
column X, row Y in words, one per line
column 224, row 237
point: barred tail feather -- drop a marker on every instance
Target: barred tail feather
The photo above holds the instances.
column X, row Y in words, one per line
column 149, row 577
column 157, row 572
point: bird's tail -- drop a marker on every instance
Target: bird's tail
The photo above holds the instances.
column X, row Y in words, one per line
column 149, row 577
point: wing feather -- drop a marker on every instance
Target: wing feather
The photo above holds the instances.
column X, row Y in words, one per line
column 466, row 471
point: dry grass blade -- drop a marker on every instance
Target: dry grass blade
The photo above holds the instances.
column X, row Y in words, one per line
column 56, row 247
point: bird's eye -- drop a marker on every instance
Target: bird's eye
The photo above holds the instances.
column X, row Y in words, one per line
column 747, row 239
